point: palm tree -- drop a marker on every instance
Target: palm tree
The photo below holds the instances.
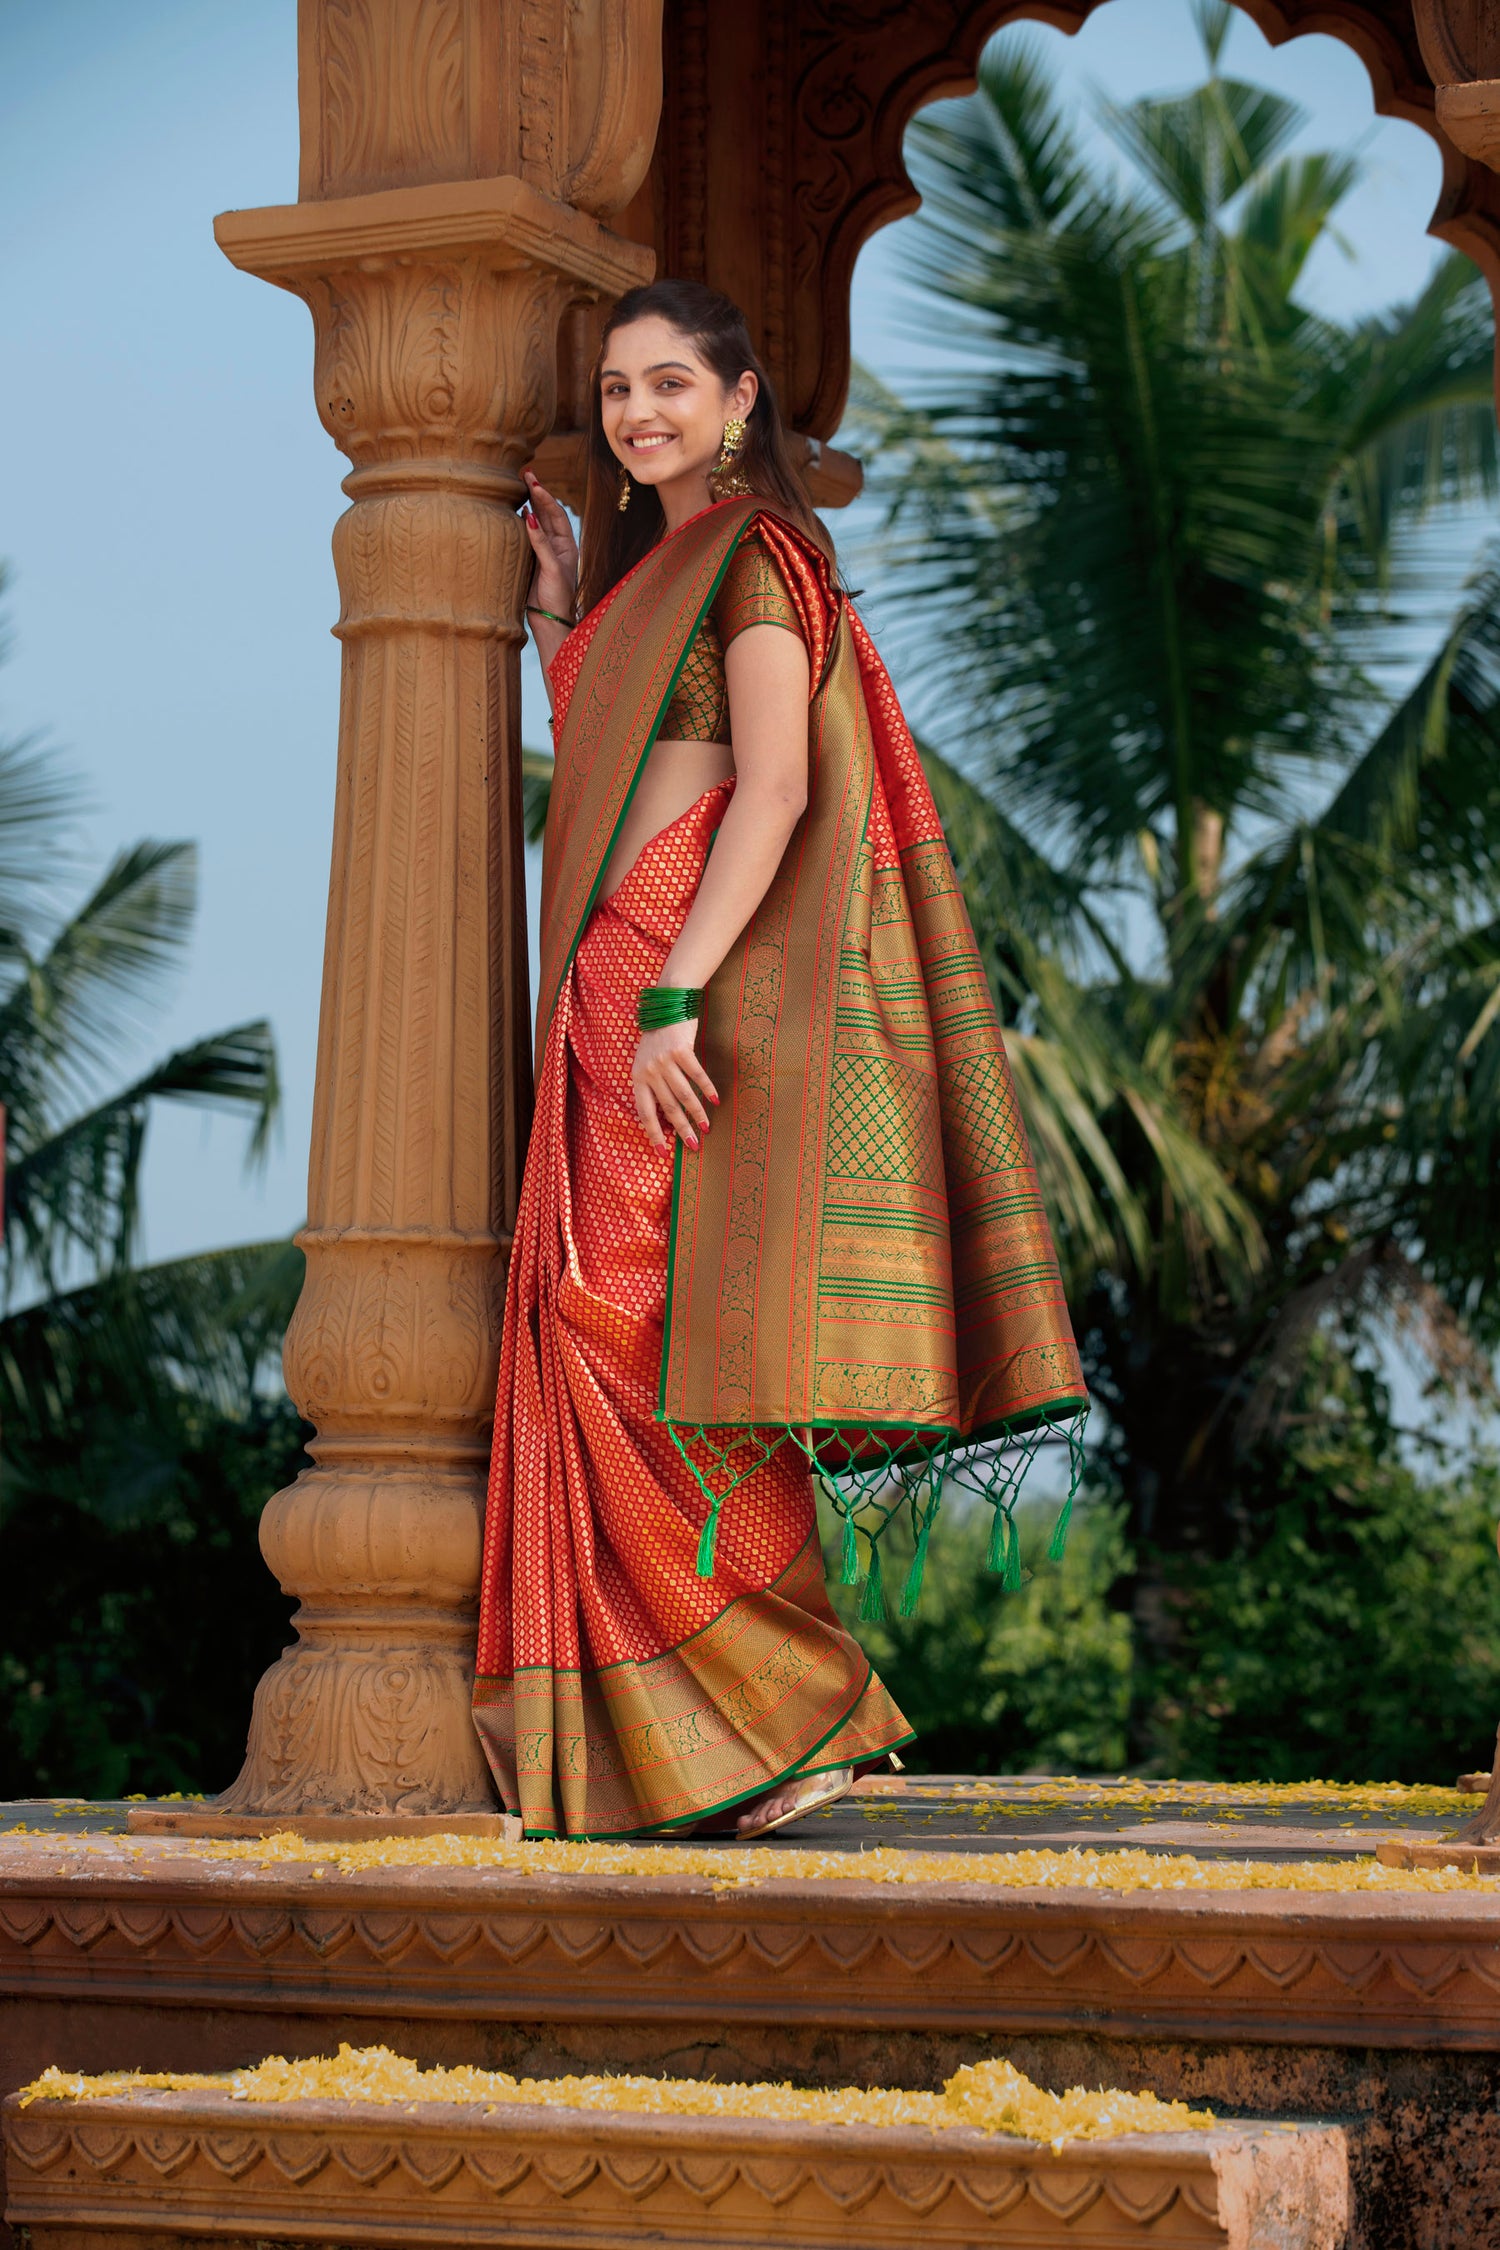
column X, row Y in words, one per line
column 1159, row 532
column 140, row 1422
column 75, row 984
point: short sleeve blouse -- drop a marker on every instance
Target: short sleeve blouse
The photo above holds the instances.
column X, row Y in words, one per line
column 753, row 592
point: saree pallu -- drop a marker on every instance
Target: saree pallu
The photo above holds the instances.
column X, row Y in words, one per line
column 854, row 1275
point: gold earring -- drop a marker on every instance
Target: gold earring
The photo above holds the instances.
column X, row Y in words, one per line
column 726, row 481
column 624, row 488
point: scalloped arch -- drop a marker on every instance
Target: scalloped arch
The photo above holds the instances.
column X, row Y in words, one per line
column 856, row 72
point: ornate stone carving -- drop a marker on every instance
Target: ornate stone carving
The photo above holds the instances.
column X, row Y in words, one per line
column 823, row 91
column 404, row 92
column 1278, row 1969
column 1461, row 46
column 438, row 256
column 355, row 2173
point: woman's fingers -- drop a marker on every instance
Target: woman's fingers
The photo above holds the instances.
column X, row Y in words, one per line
column 645, row 1110
column 553, row 515
column 662, row 1091
column 677, row 1117
column 681, row 1088
column 700, row 1078
column 670, row 1084
column 667, row 1098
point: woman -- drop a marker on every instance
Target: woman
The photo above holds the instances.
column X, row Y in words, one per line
column 778, row 1212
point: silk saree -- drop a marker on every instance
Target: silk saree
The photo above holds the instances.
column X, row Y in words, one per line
column 850, row 1286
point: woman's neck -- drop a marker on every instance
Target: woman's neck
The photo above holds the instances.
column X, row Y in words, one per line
column 685, row 497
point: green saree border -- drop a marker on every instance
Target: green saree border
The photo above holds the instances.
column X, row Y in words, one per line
column 647, row 747
column 665, row 1830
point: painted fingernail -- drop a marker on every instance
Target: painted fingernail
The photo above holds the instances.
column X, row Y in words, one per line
column 531, row 519
column 692, row 1141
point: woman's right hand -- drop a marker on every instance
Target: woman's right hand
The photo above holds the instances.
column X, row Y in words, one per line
column 555, row 548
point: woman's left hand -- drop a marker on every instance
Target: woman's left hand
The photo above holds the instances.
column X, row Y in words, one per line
column 670, row 1085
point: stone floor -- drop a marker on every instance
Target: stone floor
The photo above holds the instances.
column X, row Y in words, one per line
column 958, row 1812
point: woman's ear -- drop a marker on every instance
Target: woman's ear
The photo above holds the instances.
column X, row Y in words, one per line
column 744, row 395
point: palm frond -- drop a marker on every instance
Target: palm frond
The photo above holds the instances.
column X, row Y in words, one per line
column 1200, row 149
column 39, row 802
column 72, row 1009
column 75, row 1193
column 207, row 1327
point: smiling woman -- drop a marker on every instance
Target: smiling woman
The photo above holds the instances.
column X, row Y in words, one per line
column 815, row 1244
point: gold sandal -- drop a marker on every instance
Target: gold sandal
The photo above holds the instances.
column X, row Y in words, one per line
column 821, row 1789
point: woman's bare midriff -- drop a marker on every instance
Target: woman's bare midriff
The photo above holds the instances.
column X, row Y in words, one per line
column 676, row 776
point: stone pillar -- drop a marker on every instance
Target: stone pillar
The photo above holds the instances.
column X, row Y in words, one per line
column 457, row 159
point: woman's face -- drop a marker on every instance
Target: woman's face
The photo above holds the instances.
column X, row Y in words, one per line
column 664, row 411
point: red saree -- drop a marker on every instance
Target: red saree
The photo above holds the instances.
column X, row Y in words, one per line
column 853, row 1275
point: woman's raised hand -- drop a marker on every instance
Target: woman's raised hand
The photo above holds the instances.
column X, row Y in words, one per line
column 553, row 544
column 670, row 1084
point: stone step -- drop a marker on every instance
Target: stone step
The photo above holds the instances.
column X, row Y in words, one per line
column 155, row 2169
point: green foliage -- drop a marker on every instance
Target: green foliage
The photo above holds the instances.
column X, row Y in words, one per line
column 1151, row 537
column 1352, row 1635
column 141, row 1427
column 994, row 1681
column 131, row 1662
column 1357, row 1637
column 141, row 1440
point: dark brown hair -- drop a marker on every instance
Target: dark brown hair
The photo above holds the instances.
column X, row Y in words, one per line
column 614, row 541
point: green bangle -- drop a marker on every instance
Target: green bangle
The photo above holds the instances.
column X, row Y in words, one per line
column 533, row 609
column 661, row 1004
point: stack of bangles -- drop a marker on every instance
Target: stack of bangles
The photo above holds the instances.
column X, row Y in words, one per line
column 661, row 1004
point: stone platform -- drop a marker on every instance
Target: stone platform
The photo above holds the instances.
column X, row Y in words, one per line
column 944, row 1812
column 1381, row 2012
column 176, row 2169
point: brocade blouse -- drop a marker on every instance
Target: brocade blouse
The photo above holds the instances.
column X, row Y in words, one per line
column 753, row 592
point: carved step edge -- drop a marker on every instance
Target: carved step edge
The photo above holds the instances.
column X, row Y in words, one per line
column 1469, row 1859
column 202, row 2166
column 318, row 1828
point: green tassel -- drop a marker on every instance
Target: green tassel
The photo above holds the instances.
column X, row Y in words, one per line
column 995, row 1559
column 911, row 1592
column 872, row 1607
column 850, row 1573
column 1012, row 1579
column 708, row 1543
column 1059, row 1539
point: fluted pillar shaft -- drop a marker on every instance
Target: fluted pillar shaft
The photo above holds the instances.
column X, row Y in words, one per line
column 436, row 293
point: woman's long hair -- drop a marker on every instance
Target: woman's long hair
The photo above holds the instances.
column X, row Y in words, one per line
column 614, row 540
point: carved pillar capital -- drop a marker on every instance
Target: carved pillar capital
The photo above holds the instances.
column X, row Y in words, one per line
column 449, row 150
column 1460, row 42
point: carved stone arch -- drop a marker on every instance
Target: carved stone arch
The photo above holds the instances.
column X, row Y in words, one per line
column 780, row 149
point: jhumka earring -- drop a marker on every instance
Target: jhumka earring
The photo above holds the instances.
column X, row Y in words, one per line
column 625, row 488
column 726, row 480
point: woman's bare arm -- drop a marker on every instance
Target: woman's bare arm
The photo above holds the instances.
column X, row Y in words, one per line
column 767, row 671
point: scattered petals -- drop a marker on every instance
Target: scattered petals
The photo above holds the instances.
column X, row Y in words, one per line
column 990, row 2097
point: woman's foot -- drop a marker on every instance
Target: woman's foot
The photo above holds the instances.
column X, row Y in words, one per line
column 794, row 1800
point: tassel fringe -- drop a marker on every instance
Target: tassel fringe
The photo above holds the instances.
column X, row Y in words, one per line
column 896, row 1473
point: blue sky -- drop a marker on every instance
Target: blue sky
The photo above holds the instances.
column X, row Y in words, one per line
column 168, row 493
